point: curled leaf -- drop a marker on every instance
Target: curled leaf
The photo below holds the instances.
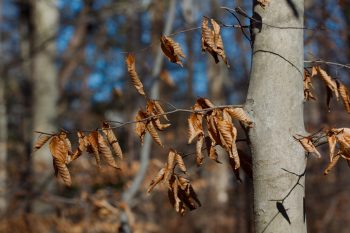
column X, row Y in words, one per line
column 199, row 155
column 344, row 94
column 62, row 170
column 331, row 164
column 329, row 81
column 106, row 151
column 58, row 149
column 306, row 142
column 112, row 140
column 159, row 177
column 172, row 50
column 130, row 61
column 43, row 138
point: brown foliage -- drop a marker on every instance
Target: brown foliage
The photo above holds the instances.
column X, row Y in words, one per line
column 171, row 50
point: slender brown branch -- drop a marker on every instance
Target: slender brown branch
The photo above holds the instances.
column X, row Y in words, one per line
column 320, row 61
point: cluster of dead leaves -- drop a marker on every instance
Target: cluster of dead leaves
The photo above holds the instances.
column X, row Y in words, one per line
column 149, row 120
column 212, row 41
column 220, row 130
column 98, row 143
column 334, row 87
column 180, row 191
column 336, row 138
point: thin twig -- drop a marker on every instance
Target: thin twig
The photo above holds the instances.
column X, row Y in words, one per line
column 320, row 61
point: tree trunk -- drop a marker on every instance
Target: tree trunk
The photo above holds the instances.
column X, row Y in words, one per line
column 275, row 102
column 44, row 73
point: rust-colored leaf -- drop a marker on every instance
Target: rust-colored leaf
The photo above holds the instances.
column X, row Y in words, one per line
column 172, row 50
column 153, row 132
column 62, row 170
column 159, row 177
column 313, row 71
column 180, row 162
column 130, row 61
column 58, row 149
column 240, row 114
column 307, row 87
column 106, row 152
column 160, row 110
column 332, row 141
column 329, row 81
column 199, row 155
column 331, row 164
column 92, row 147
column 308, row 145
column 344, row 94
column 140, row 126
column 112, row 140
column 194, row 126
column 81, row 146
column 211, row 149
column 42, row 139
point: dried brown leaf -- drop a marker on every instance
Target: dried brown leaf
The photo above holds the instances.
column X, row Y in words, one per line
column 130, row 61
column 180, row 162
column 106, row 151
column 92, row 140
column 211, row 149
column 199, row 155
column 61, row 169
column 112, row 140
column 81, row 146
column 331, row 164
column 313, row 71
column 172, row 50
column 160, row 110
column 307, row 87
column 140, row 126
column 159, row 177
column 42, row 139
column 58, row 149
column 195, row 127
column 153, row 132
column 240, row 114
column 329, row 81
column 308, row 145
column 344, row 94
column 332, row 141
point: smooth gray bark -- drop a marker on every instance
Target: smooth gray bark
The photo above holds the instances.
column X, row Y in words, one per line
column 275, row 101
column 44, row 73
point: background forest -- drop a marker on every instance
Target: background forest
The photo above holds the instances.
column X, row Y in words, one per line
column 63, row 67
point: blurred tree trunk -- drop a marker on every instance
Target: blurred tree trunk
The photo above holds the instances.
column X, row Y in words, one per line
column 3, row 147
column 3, row 133
column 275, row 101
column 44, row 77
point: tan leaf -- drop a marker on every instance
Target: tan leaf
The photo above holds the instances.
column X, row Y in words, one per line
column 81, row 146
column 180, row 162
column 140, row 126
column 166, row 77
column 159, row 177
column 332, row 141
column 62, row 170
column 112, row 140
column 344, row 94
column 58, row 149
column 219, row 45
column 160, row 109
column 159, row 125
column 43, row 138
column 307, row 87
column 171, row 50
column 211, row 149
column 308, row 145
column 106, row 151
column 130, row 61
column 343, row 138
column 153, row 132
column 225, row 128
column 329, row 81
column 240, row 114
column 263, row 3
column 199, row 155
column 331, row 164
column 92, row 147
column 194, row 126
